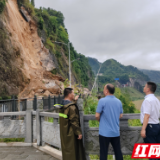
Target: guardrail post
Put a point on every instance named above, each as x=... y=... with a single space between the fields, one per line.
x=12 y=103
x=54 y=100
x=35 y=103
x=13 y=106
x=59 y=99
x=38 y=128
x=43 y=101
x=29 y=129
x=80 y=106
x=49 y=102
x=41 y=131
x=25 y=103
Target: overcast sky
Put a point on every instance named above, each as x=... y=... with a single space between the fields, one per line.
x=125 y=30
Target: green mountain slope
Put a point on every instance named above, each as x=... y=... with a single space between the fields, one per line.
x=112 y=69
x=93 y=62
x=133 y=93
x=153 y=75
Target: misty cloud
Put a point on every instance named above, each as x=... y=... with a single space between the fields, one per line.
x=128 y=31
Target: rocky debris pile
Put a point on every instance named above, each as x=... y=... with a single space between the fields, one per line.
x=33 y=59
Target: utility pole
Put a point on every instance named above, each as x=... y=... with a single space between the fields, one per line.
x=68 y=45
x=96 y=77
x=69 y=64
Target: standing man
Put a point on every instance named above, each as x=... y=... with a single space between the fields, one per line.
x=70 y=130
x=109 y=111
x=150 y=112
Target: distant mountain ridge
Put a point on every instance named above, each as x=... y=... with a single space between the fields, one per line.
x=112 y=69
x=153 y=75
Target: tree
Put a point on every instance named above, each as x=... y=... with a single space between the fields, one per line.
x=128 y=106
x=32 y=2
x=63 y=34
x=2 y=5
x=40 y=23
x=52 y=25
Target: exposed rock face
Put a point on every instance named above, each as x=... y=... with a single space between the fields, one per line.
x=137 y=83
x=133 y=81
x=28 y=57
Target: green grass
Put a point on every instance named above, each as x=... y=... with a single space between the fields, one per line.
x=7 y=140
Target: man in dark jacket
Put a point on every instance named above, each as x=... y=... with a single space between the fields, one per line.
x=70 y=130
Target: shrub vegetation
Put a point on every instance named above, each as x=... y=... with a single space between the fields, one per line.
x=2 y=5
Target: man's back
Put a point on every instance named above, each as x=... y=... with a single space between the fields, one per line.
x=110 y=109
x=72 y=147
x=151 y=106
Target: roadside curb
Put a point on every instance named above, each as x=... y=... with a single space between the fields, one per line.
x=49 y=150
x=15 y=144
x=46 y=149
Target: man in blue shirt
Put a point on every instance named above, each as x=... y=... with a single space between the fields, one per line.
x=108 y=112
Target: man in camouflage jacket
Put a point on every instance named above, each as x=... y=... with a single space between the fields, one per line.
x=70 y=130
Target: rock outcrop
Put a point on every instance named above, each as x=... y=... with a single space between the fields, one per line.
x=136 y=83
x=28 y=60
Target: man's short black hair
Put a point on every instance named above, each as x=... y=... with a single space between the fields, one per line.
x=110 y=88
x=152 y=86
x=67 y=91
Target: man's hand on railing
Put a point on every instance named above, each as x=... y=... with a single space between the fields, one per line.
x=79 y=137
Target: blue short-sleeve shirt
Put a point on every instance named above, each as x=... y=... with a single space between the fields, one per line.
x=110 y=109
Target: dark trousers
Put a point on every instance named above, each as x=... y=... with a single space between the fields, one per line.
x=104 y=144
x=152 y=134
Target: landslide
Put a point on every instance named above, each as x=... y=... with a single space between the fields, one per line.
x=24 y=61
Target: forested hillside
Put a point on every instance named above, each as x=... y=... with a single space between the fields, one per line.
x=52 y=28
x=153 y=75
x=112 y=69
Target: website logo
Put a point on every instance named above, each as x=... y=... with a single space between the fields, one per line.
x=146 y=150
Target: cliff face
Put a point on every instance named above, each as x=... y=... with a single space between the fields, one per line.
x=24 y=61
x=137 y=83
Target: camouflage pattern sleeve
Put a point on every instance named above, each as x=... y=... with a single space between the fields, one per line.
x=74 y=120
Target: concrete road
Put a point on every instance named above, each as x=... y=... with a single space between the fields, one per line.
x=23 y=153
